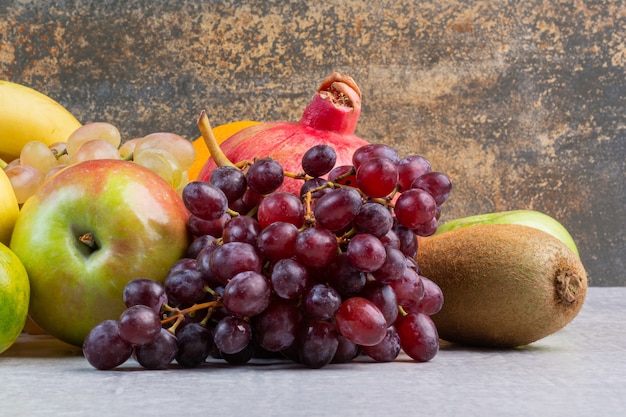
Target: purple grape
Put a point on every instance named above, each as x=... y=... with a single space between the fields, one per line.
x=387 y=349
x=204 y=200
x=320 y=302
x=383 y=297
x=409 y=168
x=240 y=358
x=393 y=267
x=427 y=229
x=144 y=291
x=232 y=335
x=374 y=150
x=316 y=247
x=276 y=328
x=345 y=278
x=360 y=321
x=437 y=184
x=280 y=207
x=203 y=264
x=346 y=351
x=265 y=175
x=198 y=244
x=418 y=336
x=277 y=241
x=104 y=348
x=139 y=325
x=247 y=294
x=373 y=218
x=319 y=160
x=194 y=342
x=334 y=211
x=415 y=207
x=159 y=353
x=431 y=302
x=199 y=227
x=289 y=278
x=377 y=177
x=185 y=286
x=407 y=240
x=366 y=252
x=232 y=258
x=317 y=343
x=409 y=288
x=230 y=180
x=241 y=229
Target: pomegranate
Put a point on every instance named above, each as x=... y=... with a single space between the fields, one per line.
x=330 y=118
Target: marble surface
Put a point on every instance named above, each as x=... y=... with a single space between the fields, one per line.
x=522 y=103
x=578 y=371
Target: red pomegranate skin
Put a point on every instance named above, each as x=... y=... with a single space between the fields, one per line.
x=330 y=118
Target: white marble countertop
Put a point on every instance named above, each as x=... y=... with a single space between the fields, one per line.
x=579 y=371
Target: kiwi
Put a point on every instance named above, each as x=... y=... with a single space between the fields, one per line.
x=504 y=285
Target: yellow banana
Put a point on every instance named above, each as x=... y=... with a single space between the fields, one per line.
x=26 y=115
x=8 y=208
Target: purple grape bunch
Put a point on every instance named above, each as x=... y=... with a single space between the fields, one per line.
x=323 y=277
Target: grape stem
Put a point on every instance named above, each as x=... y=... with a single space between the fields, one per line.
x=59 y=154
x=346 y=236
x=309 y=218
x=244 y=164
x=178 y=315
x=216 y=152
x=297 y=176
x=232 y=212
x=346 y=174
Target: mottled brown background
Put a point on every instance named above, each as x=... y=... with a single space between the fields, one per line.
x=522 y=103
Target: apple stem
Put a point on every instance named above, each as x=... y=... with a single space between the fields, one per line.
x=216 y=152
x=89 y=240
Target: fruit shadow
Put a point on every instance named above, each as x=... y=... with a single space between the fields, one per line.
x=459 y=347
x=40 y=346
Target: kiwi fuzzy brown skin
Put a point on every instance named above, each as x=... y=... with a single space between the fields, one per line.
x=504 y=285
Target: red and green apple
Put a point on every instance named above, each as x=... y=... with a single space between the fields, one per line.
x=88 y=231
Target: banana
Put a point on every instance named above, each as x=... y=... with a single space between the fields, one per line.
x=530 y=218
x=26 y=115
x=8 y=208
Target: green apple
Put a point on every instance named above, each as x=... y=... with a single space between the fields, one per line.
x=89 y=230
x=530 y=218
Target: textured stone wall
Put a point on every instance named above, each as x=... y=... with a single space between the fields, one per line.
x=522 y=103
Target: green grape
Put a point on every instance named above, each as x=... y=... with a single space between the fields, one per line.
x=95 y=149
x=91 y=131
x=162 y=162
x=25 y=181
x=38 y=155
x=182 y=149
x=128 y=147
